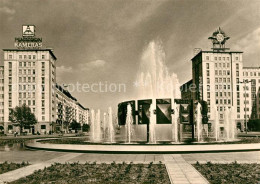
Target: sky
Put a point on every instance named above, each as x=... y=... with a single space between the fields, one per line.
x=102 y=41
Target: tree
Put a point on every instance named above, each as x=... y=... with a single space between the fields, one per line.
x=85 y=128
x=22 y=116
x=74 y=125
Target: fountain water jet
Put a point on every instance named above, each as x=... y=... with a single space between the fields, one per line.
x=199 y=122
x=110 y=126
x=129 y=123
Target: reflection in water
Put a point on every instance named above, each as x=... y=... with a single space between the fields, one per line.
x=12 y=147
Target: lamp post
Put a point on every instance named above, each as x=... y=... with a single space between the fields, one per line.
x=245 y=82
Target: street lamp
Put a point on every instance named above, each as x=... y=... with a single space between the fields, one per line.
x=245 y=82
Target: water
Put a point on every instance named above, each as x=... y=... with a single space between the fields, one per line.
x=129 y=123
x=216 y=123
x=155 y=82
x=227 y=123
x=199 y=123
x=95 y=127
x=111 y=132
x=175 y=117
x=152 y=133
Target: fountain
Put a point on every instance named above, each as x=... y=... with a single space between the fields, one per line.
x=95 y=127
x=216 y=123
x=199 y=123
x=175 y=123
x=110 y=126
x=129 y=123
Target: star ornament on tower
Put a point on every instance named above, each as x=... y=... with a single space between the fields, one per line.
x=219 y=39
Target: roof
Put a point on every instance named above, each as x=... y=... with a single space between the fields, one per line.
x=65 y=92
x=230 y=52
x=47 y=49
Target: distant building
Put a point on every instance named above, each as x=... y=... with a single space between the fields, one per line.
x=29 y=77
x=217 y=77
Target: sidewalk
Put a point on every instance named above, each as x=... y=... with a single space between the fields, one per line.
x=28 y=170
x=181 y=172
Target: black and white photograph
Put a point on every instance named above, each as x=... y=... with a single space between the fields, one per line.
x=129 y=91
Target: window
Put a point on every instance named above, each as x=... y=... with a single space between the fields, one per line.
x=238 y=109
x=207 y=65
x=20 y=64
x=238 y=102
x=224 y=72
x=228 y=79
x=20 y=71
x=43 y=80
x=207 y=57
x=237 y=66
x=42 y=103
x=33 y=63
x=24 y=72
x=29 y=79
x=208 y=81
x=216 y=65
x=43 y=111
x=43 y=56
x=208 y=94
x=25 y=57
x=10 y=57
x=29 y=72
x=236 y=58
x=220 y=72
x=33 y=79
x=34 y=57
x=20 y=57
x=33 y=71
x=29 y=102
x=224 y=64
x=220 y=79
x=30 y=57
x=43 y=126
x=43 y=65
x=228 y=65
x=10 y=65
x=216 y=72
x=219 y=58
x=33 y=103
x=216 y=79
x=216 y=58
x=237 y=87
x=24 y=64
x=207 y=72
x=216 y=93
x=29 y=64
x=216 y=87
x=237 y=73
x=208 y=87
x=224 y=79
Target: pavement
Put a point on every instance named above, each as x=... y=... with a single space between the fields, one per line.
x=178 y=166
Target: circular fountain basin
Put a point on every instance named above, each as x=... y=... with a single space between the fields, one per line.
x=142 y=149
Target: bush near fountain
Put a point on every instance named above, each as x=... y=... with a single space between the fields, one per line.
x=6 y=167
x=99 y=173
x=229 y=173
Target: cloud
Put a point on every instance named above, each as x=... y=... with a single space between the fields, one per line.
x=7 y=10
x=250 y=43
x=97 y=63
x=64 y=69
x=92 y=65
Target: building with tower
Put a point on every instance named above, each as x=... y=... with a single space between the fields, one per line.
x=219 y=78
x=29 y=77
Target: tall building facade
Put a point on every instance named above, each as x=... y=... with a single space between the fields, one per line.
x=29 y=77
x=219 y=78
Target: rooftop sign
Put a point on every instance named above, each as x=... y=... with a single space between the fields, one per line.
x=28 y=39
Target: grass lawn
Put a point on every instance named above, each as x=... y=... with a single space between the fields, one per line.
x=99 y=173
x=230 y=173
x=6 y=167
